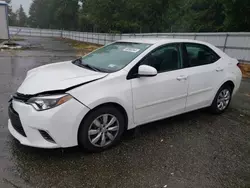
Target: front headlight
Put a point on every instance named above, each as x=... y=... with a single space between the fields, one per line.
x=48 y=102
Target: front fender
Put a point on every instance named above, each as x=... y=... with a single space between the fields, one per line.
x=107 y=90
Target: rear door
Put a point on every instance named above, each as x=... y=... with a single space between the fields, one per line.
x=165 y=94
x=205 y=72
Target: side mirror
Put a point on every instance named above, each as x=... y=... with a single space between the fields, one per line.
x=146 y=71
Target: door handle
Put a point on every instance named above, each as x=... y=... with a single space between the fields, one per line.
x=182 y=77
x=219 y=69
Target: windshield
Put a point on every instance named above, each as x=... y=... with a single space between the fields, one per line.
x=115 y=56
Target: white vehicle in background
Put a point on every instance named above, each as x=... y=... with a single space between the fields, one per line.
x=93 y=100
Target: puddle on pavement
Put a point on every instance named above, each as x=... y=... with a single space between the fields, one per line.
x=13 y=67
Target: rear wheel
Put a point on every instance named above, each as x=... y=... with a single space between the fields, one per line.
x=101 y=129
x=221 y=100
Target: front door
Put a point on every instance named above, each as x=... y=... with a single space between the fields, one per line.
x=165 y=94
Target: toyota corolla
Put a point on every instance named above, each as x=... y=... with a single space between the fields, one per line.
x=93 y=100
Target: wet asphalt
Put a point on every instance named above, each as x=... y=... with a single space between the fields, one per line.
x=196 y=149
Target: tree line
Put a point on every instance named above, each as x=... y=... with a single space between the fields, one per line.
x=18 y=17
x=136 y=16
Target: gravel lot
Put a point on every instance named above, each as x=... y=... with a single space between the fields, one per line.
x=191 y=150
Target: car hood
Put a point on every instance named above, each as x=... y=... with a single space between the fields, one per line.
x=57 y=76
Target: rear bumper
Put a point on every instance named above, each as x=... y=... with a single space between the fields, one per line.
x=237 y=81
x=60 y=123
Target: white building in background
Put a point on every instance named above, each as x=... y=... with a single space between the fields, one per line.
x=4 y=28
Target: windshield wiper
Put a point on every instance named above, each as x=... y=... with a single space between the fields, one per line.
x=80 y=63
x=91 y=67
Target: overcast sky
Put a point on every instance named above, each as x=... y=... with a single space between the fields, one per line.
x=25 y=3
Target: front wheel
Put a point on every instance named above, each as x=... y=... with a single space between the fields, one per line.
x=221 y=100
x=101 y=129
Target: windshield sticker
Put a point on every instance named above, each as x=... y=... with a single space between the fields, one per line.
x=133 y=50
x=112 y=65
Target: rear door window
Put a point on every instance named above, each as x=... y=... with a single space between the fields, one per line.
x=199 y=54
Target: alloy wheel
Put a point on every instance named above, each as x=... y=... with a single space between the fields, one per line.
x=103 y=130
x=223 y=99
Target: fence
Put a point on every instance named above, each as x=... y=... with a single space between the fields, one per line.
x=236 y=45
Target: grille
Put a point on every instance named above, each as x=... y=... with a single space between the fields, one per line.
x=21 y=97
x=15 y=121
x=46 y=136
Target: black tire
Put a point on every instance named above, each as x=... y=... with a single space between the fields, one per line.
x=83 y=134
x=214 y=107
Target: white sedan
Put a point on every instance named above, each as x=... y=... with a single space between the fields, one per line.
x=93 y=100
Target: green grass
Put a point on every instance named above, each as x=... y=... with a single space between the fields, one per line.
x=17 y=39
x=82 y=47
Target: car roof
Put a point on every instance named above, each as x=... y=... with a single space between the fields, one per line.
x=160 y=40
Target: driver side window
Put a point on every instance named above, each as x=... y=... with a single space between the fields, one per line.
x=166 y=58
